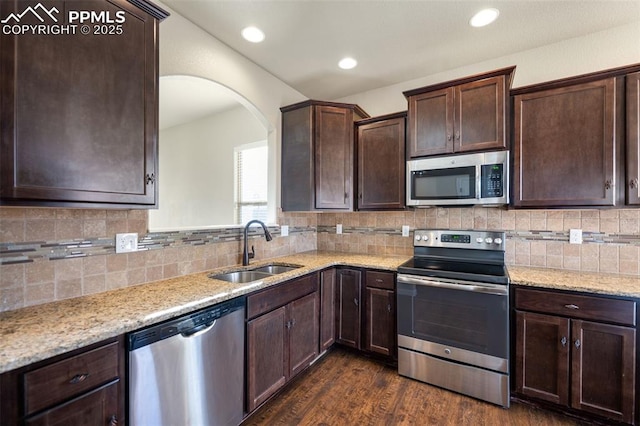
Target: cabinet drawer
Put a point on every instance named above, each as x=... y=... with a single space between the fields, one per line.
x=57 y=382
x=577 y=306
x=274 y=297
x=379 y=279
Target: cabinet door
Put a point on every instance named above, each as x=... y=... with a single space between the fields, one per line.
x=99 y=407
x=297 y=169
x=603 y=369
x=380 y=322
x=266 y=356
x=303 y=332
x=381 y=165
x=565 y=146
x=542 y=357
x=334 y=157
x=430 y=123
x=349 y=314
x=79 y=116
x=480 y=115
x=633 y=138
x=327 y=309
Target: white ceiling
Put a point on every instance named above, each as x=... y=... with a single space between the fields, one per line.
x=393 y=40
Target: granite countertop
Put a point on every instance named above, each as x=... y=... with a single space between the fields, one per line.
x=39 y=332
x=590 y=282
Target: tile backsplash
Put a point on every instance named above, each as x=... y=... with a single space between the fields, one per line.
x=52 y=254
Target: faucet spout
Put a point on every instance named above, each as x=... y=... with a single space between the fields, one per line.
x=245 y=251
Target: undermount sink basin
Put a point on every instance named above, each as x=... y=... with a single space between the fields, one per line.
x=275 y=269
x=247 y=276
x=241 y=276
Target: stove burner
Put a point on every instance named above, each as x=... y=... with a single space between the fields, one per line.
x=438 y=256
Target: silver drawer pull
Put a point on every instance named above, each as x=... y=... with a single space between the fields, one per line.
x=572 y=306
x=78 y=378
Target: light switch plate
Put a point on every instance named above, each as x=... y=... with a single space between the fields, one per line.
x=126 y=243
x=284 y=231
x=575 y=236
x=339 y=228
x=405 y=230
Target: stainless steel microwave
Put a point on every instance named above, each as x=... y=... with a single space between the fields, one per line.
x=467 y=179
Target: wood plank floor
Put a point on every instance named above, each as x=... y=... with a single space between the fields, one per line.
x=344 y=388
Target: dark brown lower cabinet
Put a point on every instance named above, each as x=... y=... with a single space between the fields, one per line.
x=380 y=331
x=366 y=311
x=282 y=336
x=83 y=387
x=327 y=309
x=574 y=360
x=95 y=408
x=349 y=301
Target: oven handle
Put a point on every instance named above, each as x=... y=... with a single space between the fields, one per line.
x=500 y=290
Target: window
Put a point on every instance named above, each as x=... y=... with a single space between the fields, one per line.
x=251 y=182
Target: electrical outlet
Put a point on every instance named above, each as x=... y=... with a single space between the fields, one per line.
x=284 y=231
x=339 y=228
x=126 y=243
x=405 y=230
x=575 y=236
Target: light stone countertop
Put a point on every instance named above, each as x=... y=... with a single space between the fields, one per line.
x=590 y=282
x=39 y=332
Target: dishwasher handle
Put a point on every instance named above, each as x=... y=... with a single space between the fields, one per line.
x=198 y=330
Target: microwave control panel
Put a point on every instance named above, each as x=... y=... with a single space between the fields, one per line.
x=492 y=180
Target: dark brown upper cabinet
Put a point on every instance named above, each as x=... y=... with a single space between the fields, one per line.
x=633 y=138
x=79 y=112
x=318 y=156
x=463 y=115
x=381 y=162
x=569 y=137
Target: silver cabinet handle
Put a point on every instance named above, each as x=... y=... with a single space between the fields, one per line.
x=355 y=301
x=78 y=378
x=564 y=341
x=577 y=343
x=572 y=306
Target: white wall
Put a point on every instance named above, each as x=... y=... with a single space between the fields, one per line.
x=595 y=52
x=196 y=160
x=185 y=49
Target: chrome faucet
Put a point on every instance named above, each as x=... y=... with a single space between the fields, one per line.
x=245 y=252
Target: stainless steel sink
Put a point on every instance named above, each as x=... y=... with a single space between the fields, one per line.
x=275 y=269
x=240 y=277
x=257 y=274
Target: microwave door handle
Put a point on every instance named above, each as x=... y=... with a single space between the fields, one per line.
x=475 y=287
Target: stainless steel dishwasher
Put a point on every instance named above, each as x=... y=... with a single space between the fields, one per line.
x=189 y=371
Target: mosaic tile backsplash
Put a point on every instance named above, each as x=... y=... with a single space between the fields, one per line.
x=52 y=254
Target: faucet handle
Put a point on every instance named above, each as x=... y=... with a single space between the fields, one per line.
x=253 y=253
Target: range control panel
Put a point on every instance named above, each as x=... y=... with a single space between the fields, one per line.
x=481 y=240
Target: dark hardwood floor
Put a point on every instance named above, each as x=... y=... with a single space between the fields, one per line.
x=344 y=388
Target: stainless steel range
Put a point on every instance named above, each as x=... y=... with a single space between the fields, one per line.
x=453 y=313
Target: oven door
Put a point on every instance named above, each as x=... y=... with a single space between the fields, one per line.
x=459 y=320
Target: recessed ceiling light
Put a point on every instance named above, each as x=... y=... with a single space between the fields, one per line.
x=347 y=63
x=253 y=34
x=484 y=17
